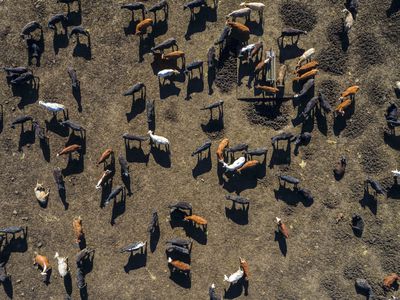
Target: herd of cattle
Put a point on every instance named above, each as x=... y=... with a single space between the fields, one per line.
x=305 y=73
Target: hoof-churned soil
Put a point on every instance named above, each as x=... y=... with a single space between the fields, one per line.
x=322 y=256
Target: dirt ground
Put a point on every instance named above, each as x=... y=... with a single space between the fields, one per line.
x=321 y=258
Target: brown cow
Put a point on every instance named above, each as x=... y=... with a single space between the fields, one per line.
x=245 y=267
x=77 y=224
x=248 y=165
x=69 y=149
x=351 y=91
x=197 y=220
x=307 y=67
x=390 y=279
x=280 y=81
x=344 y=104
x=306 y=75
x=174 y=56
x=267 y=89
x=239 y=31
x=106 y=154
x=282 y=228
x=43 y=262
x=220 y=150
x=141 y=28
x=179 y=265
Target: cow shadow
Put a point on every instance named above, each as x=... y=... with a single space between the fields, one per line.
x=308 y=124
x=8 y=288
x=199 y=20
x=45 y=147
x=394 y=191
x=281 y=242
x=55 y=126
x=344 y=40
x=1 y=118
x=239 y=216
x=280 y=156
x=131 y=28
x=176 y=219
x=74 y=166
x=138 y=106
x=28 y=93
x=245 y=69
x=75 y=17
x=237 y=184
x=105 y=191
x=203 y=165
x=83 y=50
x=195 y=232
x=211 y=75
x=26 y=137
x=234 y=290
x=181 y=279
x=76 y=93
x=162 y=157
x=154 y=238
x=118 y=208
x=160 y=28
x=213 y=125
x=145 y=44
x=60 y=40
x=394 y=8
x=63 y=197
x=167 y=90
x=194 y=85
x=136 y=261
x=392 y=140
x=256 y=28
x=340 y=122
x=15 y=244
x=369 y=201
x=136 y=155
x=322 y=122
x=289 y=51
x=291 y=196
x=68 y=283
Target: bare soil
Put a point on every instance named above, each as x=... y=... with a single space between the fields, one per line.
x=320 y=260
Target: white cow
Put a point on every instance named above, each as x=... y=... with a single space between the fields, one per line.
x=306 y=56
x=62 y=264
x=52 y=106
x=235 y=277
x=159 y=140
x=235 y=165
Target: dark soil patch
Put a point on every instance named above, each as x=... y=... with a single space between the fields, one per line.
x=332 y=60
x=391 y=28
x=334 y=32
x=331 y=89
x=298 y=15
x=226 y=77
x=357 y=124
x=331 y=201
x=275 y=117
x=332 y=288
x=171 y=114
x=369 y=50
x=372 y=158
x=376 y=95
x=353 y=270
